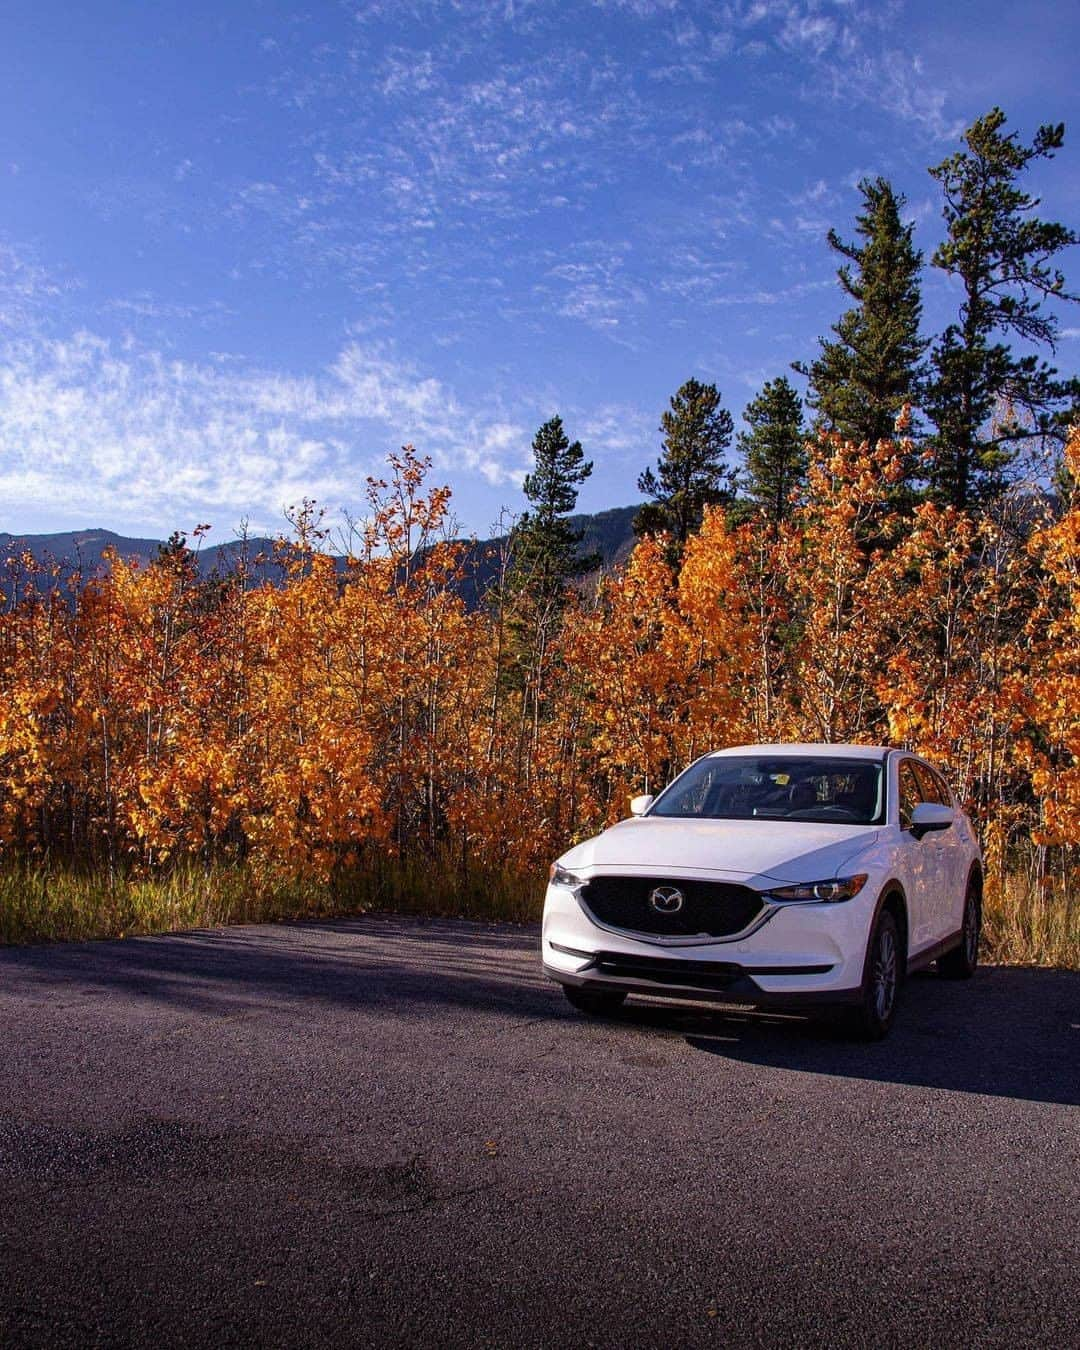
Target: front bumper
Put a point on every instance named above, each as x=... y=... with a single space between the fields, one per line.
x=718 y=981
x=800 y=954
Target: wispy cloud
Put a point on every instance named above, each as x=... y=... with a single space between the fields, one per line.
x=389 y=220
x=125 y=435
x=591 y=284
x=781 y=296
x=144 y=305
x=26 y=288
x=617 y=433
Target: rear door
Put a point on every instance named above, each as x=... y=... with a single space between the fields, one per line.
x=918 y=867
x=950 y=855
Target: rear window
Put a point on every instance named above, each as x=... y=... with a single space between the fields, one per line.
x=778 y=787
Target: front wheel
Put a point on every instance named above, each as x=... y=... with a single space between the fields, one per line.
x=871 y=1019
x=960 y=963
x=595 y=1002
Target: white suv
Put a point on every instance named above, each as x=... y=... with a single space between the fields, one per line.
x=790 y=875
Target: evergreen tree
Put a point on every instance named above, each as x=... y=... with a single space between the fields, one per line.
x=691 y=473
x=864 y=377
x=1001 y=254
x=774 y=449
x=546 y=550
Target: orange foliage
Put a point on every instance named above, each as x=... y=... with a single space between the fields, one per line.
x=357 y=708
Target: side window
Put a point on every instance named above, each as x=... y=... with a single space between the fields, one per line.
x=910 y=793
x=933 y=789
x=944 y=793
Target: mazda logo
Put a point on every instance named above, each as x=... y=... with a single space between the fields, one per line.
x=666 y=900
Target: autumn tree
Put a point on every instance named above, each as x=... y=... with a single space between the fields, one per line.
x=840 y=607
x=1002 y=255
x=691 y=473
x=870 y=368
x=631 y=647
x=773 y=449
x=1052 y=697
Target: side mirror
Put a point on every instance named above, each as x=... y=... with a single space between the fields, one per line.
x=639 y=805
x=929 y=816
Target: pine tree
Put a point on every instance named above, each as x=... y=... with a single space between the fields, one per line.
x=546 y=550
x=691 y=473
x=774 y=450
x=860 y=382
x=1002 y=256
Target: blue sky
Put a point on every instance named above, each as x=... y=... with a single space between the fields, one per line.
x=247 y=249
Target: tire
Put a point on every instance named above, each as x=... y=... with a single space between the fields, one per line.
x=595 y=1002
x=872 y=1017
x=960 y=963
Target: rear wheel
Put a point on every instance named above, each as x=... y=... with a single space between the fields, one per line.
x=871 y=1019
x=596 y=1002
x=960 y=963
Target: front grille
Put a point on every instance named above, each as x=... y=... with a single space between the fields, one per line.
x=709 y=908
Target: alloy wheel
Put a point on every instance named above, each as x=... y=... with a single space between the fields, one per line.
x=971 y=931
x=884 y=974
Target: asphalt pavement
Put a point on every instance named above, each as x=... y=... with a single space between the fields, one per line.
x=396 y=1132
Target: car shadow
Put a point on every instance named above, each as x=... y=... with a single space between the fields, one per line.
x=1009 y=1032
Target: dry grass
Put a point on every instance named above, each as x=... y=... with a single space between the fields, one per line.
x=1024 y=923
x=1029 y=923
x=40 y=904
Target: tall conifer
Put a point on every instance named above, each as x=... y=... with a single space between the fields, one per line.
x=865 y=375
x=1001 y=254
x=691 y=473
x=546 y=550
x=774 y=450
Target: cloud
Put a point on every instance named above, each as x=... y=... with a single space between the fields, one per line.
x=144 y=305
x=26 y=288
x=590 y=282
x=815 y=32
x=121 y=433
x=641 y=9
x=616 y=432
x=813 y=195
x=852 y=54
x=781 y=296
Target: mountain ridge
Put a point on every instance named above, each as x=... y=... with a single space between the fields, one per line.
x=608 y=533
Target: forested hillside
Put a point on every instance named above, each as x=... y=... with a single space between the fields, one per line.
x=83 y=554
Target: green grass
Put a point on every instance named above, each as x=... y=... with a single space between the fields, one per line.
x=63 y=904
x=1022 y=924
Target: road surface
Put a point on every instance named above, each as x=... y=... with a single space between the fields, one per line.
x=395 y=1132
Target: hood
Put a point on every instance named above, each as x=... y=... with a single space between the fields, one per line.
x=779 y=850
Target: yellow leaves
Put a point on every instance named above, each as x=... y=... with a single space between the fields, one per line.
x=366 y=708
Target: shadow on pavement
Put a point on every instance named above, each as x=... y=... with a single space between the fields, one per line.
x=382 y=965
x=1010 y=1032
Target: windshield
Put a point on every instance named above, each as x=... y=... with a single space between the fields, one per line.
x=778 y=787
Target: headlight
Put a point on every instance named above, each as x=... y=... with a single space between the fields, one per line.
x=559 y=876
x=840 y=888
